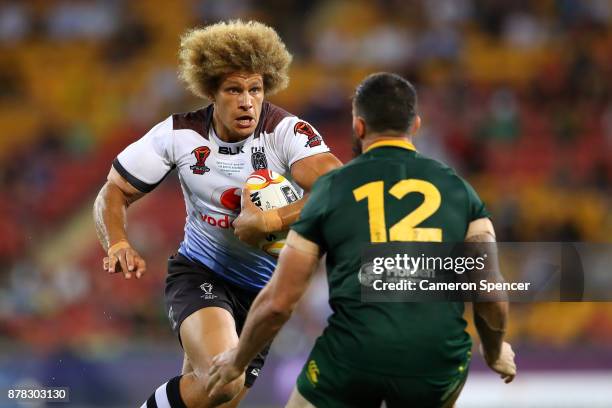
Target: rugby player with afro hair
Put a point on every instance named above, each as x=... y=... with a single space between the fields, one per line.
x=218 y=269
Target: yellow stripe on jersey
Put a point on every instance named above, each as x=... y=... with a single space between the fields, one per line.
x=404 y=144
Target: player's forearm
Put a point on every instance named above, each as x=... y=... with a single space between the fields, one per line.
x=305 y=172
x=110 y=215
x=280 y=219
x=490 y=319
x=263 y=323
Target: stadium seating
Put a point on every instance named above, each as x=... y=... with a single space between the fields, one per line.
x=528 y=120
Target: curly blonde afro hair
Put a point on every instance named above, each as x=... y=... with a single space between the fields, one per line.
x=207 y=54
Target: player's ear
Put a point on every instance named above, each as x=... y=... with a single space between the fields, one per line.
x=210 y=94
x=416 y=125
x=359 y=126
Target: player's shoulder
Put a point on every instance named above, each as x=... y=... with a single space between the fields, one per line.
x=445 y=173
x=198 y=120
x=276 y=120
x=435 y=165
x=440 y=170
x=433 y=168
x=272 y=116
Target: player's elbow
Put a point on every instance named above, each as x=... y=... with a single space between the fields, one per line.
x=98 y=202
x=108 y=195
x=100 y=205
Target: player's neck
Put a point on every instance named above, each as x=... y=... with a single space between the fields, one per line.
x=382 y=137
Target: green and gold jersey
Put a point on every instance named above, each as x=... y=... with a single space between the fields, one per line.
x=389 y=193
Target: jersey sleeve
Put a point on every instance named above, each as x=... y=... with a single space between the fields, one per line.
x=476 y=208
x=311 y=222
x=298 y=139
x=146 y=162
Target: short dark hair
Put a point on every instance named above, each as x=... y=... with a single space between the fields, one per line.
x=386 y=102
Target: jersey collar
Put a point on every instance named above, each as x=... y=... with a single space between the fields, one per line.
x=403 y=144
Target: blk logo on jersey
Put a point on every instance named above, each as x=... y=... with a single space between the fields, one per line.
x=231 y=150
x=258 y=158
x=201 y=154
x=305 y=129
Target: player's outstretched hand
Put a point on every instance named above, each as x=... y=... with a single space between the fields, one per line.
x=504 y=365
x=250 y=226
x=123 y=258
x=222 y=371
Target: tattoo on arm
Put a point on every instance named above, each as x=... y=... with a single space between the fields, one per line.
x=109 y=214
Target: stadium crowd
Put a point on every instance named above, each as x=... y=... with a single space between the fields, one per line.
x=517 y=95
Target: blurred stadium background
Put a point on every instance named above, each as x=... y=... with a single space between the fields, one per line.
x=515 y=94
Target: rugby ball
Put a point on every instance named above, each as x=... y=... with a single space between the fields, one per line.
x=270 y=190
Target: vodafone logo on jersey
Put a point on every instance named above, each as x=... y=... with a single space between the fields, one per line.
x=221 y=221
x=227 y=197
x=230 y=199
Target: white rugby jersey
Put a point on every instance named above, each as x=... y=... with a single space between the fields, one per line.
x=212 y=173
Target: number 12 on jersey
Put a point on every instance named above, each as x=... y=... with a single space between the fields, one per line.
x=406 y=228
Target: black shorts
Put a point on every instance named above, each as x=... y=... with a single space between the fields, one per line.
x=191 y=287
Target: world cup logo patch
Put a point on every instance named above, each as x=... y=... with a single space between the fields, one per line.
x=201 y=154
x=305 y=129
